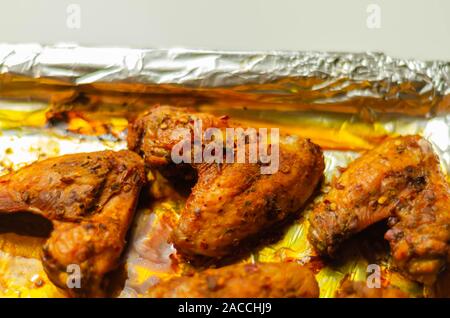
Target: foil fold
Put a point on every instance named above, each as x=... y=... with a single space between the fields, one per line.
x=369 y=80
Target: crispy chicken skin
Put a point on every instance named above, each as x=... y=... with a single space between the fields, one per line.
x=150 y=135
x=231 y=203
x=400 y=180
x=352 y=289
x=236 y=202
x=261 y=280
x=90 y=199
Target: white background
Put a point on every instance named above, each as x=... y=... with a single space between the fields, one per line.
x=409 y=28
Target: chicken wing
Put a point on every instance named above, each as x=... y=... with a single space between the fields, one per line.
x=151 y=135
x=400 y=180
x=90 y=199
x=231 y=203
x=261 y=280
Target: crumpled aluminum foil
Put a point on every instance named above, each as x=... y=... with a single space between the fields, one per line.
x=373 y=80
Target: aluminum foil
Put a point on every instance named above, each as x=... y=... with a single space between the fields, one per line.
x=356 y=81
x=66 y=99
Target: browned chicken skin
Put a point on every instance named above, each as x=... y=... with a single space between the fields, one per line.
x=231 y=203
x=400 y=180
x=90 y=199
x=351 y=289
x=150 y=135
x=261 y=280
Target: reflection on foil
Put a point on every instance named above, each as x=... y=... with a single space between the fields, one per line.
x=150 y=256
x=21 y=147
x=24 y=277
x=353 y=82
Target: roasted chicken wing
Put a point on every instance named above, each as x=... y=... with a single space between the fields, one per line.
x=231 y=203
x=90 y=199
x=400 y=180
x=261 y=280
x=151 y=135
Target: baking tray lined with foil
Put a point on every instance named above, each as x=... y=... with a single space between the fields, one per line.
x=59 y=100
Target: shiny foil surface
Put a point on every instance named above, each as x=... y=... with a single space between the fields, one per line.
x=67 y=99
